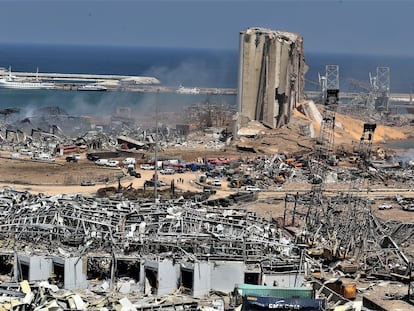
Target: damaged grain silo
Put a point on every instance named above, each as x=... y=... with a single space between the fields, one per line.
x=271 y=75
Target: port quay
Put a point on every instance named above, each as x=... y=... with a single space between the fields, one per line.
x=76 y=82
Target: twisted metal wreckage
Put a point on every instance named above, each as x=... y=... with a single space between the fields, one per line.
x=107 y=231
x=340 y=229
x=81 y=224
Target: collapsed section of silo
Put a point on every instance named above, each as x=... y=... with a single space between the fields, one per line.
x=271 y=75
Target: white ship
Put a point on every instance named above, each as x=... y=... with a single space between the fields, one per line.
x=187 y=90
x=12 y=82
x=92 y=87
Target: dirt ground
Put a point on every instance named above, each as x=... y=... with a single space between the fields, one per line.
x=60 y=176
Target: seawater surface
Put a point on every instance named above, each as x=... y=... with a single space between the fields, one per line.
x=173 y=67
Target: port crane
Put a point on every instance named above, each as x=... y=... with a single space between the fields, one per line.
x=323 y=154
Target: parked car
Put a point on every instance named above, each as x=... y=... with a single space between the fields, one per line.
x=384 y=206
x=252 y=188
x=71 y=158
x=87 y=183
x=408 y=207
x=92 y=157
x=209 y=190
x=147 y=166
x=43 y=157
x=127 y=161
x=152 y=183
x=26 y=152
x=135 y=174
x=216 y=183
x=167 y=171
x=113 y=163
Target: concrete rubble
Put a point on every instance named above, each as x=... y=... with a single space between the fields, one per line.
x=52 y=130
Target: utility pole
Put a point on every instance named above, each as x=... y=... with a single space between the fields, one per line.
x=156 y=148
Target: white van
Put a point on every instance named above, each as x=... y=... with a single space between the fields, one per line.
x=128 y=161
x=43 y=157
x=102 y=162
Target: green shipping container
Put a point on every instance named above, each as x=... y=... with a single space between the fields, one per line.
x=273 y=291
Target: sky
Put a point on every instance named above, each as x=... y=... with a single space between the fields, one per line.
x=364 y=26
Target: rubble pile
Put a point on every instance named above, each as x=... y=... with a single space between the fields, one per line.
x=46 y=296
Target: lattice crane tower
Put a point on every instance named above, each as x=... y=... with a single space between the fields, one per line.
x=381 y=86
x=323 y=154
x=324 y=148
x=331 y=99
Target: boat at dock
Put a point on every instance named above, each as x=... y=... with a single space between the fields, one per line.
x=187 y=90
x=92 y=87
x=12 y=82
x=7 y=84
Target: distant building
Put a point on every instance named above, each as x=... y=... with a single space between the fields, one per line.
x=183 y=129
x=271 y=75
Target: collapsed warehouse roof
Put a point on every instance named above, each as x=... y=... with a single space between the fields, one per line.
x=47 y=120
x=77 y=223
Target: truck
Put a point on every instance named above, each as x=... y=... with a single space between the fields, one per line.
x=73 y=158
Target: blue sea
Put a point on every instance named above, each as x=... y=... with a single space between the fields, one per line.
x=188 y=67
